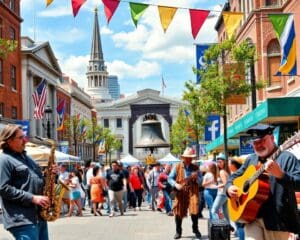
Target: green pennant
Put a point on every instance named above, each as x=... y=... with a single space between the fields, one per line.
x=278 y=21
x=137 y=10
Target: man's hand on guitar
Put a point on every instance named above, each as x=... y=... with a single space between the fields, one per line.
x=273 y=168
x=178 y=186
x=233 y=191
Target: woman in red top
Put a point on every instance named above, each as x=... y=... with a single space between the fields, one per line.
x=97 y=187
x=136 y=188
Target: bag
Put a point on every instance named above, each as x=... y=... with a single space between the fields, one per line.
x=104 y=192
x=218 y=229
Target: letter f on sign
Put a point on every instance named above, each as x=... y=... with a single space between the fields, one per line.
x=213 y=129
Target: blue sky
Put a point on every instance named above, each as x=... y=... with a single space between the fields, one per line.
x=138 y=56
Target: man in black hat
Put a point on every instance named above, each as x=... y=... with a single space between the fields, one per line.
x=278 y=215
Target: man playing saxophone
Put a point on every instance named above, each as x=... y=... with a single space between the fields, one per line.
x=21 y=187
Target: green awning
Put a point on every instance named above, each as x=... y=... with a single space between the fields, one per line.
x=272 y=107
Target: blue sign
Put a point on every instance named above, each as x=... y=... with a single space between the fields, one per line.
x=213 y=128
x=246 y=145
x=200 y=63
x=202 y=151
x=25 y=126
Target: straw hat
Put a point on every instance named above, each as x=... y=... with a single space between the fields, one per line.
x=189 y=153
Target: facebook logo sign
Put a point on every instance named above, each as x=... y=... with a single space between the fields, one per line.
x=212 y=129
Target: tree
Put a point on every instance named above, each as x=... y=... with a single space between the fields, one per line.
x=7 y=46
x=111 y=144
x=224 y=76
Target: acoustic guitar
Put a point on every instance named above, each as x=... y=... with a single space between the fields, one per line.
x=254 y=188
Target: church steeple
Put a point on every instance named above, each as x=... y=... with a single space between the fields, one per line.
x=96 y=71
x=96 y=50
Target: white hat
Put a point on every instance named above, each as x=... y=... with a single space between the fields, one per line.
x=189 y=153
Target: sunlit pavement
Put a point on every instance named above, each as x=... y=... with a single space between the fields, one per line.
x=139 y=225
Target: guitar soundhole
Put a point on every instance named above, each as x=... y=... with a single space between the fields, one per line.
x=246 y=186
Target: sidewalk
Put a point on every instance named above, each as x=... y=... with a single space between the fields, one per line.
x=134 y=225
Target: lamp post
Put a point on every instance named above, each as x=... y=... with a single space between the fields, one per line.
x=94 y=122
x=48 y=113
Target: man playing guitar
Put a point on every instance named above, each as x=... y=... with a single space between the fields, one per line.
x=277 y=215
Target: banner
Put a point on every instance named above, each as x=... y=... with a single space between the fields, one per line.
x=25 y=126
x=213 y=128
x=200 y=63
x=246 y=145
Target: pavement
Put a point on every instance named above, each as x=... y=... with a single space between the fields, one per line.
x=134 y=225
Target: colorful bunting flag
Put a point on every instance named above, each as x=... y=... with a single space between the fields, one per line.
x=137 y=10
x=285 y=31
x=232 y=21
x=110 y=7
x=48 y=2
x=166 y=15
x=60 y=109
x=197 y=19
x=76 y=5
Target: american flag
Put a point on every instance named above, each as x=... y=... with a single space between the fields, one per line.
x=39 y=100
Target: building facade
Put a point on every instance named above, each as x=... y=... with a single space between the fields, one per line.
x=277 y=103
x=10 y=65
x=124 y=118
x=114 y=87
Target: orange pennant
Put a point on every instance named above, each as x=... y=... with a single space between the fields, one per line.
x=166 y=15
x=232 y=21
x=48 y=2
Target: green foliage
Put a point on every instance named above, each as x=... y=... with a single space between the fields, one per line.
x=6 y=47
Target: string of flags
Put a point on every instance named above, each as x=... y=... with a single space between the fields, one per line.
x=166 y=14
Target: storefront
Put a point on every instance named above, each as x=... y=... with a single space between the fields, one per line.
x=283 y=112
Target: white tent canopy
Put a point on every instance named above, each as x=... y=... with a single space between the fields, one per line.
x=169 y=159
x=129 y=160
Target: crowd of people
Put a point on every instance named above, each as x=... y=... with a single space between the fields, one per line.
x=180 y=190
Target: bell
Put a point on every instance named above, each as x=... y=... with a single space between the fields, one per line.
x=152 y=136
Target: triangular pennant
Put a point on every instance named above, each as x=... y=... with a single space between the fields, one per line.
x=48 y=2
x=110 y=7
x=137 y=10
x=197 y=19
x=76 y=5
x=232 y=21
x=166 y=15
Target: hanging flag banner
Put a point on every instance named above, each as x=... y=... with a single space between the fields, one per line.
x=231 y=21
x=39 y=99
x=198 y=17
x=200 y=62
x=283 y=25
x=137 y=10
x=25 y=127
x=60 y=109
x=110 y=7
x=246 y=146
x=212 y=128
x=166 y=15
x=76 y=5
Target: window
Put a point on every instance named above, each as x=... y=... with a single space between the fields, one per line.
x=119 y=122
x=12 y=33
x=14 y=112
x=106 y=123
x=273 y=53
x=272 y=2
x=1 y=71
x=13 y=79
x=2 y=109
x=12 y=5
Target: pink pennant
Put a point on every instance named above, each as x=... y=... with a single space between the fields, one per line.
x=197 y=19
x=76 y=5
x=110 y=7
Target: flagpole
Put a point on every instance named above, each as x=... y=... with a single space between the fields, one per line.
x=162 y=85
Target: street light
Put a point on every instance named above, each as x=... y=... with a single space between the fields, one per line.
x=48 y=114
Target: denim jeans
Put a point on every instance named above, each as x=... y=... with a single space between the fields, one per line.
x=210 y=195
x=220 y=201
x=37 y=231
x=168 y=201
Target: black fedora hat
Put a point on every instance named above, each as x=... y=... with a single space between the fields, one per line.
x=260 y=130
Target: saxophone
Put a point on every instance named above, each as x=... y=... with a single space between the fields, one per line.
x=52 y=190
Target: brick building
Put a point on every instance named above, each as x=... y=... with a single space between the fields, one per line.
x=10 y=66
x=279 y=102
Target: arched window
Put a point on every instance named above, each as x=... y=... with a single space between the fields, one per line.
x=273 y=54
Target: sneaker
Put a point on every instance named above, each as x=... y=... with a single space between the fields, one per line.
x=197 y=235
x=170 y=214
x=111 y=215
x=177 y=236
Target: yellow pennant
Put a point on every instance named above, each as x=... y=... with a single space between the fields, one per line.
x=166 y=15
x=48 y=2
x=232 y=21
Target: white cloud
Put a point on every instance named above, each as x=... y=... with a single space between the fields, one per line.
x=105 y=31
x=76 y=67
x=142 y=69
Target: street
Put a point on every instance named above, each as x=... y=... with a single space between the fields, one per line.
x=139 y=225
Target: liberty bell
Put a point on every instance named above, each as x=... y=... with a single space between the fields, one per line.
x=152 y=136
